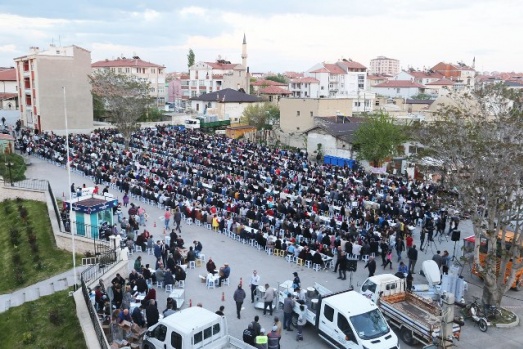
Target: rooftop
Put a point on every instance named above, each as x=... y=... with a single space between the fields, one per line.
x=8 y=74
x=125 y=62
x=274 y=90
x=399 y=84
x=227 y=95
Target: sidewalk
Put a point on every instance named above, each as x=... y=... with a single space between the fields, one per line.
x=46 y=287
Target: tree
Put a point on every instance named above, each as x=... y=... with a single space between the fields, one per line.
x=422 y=96
x=479 y=136
x=261 y=115
x=190 y=58
x=277 y=78
x=378 y=138
x=125 y=99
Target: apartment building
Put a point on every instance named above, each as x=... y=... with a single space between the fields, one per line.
x=384 y=65
x=152 y=73
x=42 y=77
x=343 y=79
x=8 y=89
x=462 y=74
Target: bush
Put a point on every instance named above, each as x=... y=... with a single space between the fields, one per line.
x=28 y=337
x=55 y=317
x=14 y=236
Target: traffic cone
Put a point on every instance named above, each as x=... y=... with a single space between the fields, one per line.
x=154 y=224
x=190 y=303
x=223 y=296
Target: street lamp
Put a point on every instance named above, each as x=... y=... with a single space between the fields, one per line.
x=9 y=165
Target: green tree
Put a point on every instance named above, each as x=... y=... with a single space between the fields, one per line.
x=124 y=97
x=99 y=111
x=190 y=58
x=378 y=138
x=421 y=96
x=261 y=115
x=480 y=137
x=277 y=78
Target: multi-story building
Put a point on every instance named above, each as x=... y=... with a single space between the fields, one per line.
x=152 y=73
x=343 y=79
x=8 y=89
x=207 y=77
x=47 y=79
x=304 y=87
x=384 y=65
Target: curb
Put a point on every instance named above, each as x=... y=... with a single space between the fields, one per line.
x=510 y=325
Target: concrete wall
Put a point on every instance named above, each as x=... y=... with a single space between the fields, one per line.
x=297 y=114
x=72 y=73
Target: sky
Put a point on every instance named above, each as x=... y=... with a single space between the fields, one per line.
x=282 y=35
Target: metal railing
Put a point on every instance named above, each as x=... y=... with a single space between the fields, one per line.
x=93 y=272
x=32 y=184
x=55 y=206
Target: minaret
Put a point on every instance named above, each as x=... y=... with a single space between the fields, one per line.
x=244 y=52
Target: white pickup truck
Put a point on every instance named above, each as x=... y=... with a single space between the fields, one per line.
x=344 y=319
x=417 y=318
x=193 y=327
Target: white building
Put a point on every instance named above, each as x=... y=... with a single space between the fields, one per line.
x=384 y=65
x=304 y=87
x=8 y=89
x=153 y=73
x=399 y=88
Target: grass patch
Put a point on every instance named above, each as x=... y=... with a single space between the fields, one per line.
x=49 y=322
x=28 y=252
x=17 y=169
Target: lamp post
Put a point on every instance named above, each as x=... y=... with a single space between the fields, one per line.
x=9 y=165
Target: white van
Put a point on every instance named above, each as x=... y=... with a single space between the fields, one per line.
x=193 y=327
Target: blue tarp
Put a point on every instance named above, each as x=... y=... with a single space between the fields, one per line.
x=337 y=161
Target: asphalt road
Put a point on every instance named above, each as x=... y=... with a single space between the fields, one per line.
x=274 y=270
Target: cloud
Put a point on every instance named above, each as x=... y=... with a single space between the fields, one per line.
x=8 y=48
x=192 y=11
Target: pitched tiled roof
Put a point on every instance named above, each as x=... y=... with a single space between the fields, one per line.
x=399 y=84
x=333 y=68
x=293 y=75
x=5 y=96
x=420 y=101
x=274 y=90
x=320 y=70
x=425 y=75
x=441 y=82
x=264 y=82
x=305 y=80
x=352 y=64
x=344 y=131
x=125 y=62
x=227 y=95
x=8 y=74
x=378 y=77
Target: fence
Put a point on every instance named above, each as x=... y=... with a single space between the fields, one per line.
x=91 y=273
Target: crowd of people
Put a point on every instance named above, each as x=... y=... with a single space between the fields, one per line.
x=234 y=184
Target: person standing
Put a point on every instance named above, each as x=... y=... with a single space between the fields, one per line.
x=261 y=340
x=438 y=259
x=371 y=265
x=338 y=258
x=400 y=247
x=248 y=335
x=445 y=262
x=301 y=323
x=384 y=251
x=274 y=338
x=388 y=260
x=268 y=298
x=239 y=297
x=412 y=254
x=288 y=306
x=296 y=282
x=167 y=217
x=342 y=267
x=151 y=313
x=254 y=283
x=177 y=219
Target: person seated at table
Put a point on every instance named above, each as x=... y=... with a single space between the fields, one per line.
x=317 y=259
x=303 y=253
x=178 y=258
x=198 y=247
x=179 y=241
x=179 y=274
x=137 y=315
x=225 y=271
x=124 y=316
x=142 y=242
x=147 y=275
x=168 y=278
x=261 y=240
x=191 y=255
x=133 y=276
x=210 y=266
x=290 y=249
x=308 y=255
x=159 y=274
x=141 y=285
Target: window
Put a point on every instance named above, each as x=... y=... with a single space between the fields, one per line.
x=328 y=312
x=344 y=326
x=216 y=328
x=198 y=337
x=176 y=340
x=361 y=81
x=312 y=114
x=153 y=70
x=357 y=104
x=119 y=70
x=298 y=113
x=207 y=333
x=397 y=90
x=322 y=87
x=159 y=332
x=127 y=70
x=377 y=103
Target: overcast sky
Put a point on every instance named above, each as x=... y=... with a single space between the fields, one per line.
x=282 y=35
